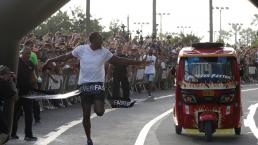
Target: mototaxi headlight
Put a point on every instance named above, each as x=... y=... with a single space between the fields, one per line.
x=189 y=99
x=227 y=98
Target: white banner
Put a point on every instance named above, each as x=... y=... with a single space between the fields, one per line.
x=55 y=84
x=140 y=73
x=72 y=80
x=164 y=74
x=252 y=70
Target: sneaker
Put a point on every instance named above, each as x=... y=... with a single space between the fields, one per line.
x=31 y=138
x=89 y=142
x=132 y=103
x=14 y=137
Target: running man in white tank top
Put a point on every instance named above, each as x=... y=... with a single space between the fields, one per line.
x=92 y=74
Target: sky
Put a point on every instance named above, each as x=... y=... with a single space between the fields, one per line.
x=187 y=13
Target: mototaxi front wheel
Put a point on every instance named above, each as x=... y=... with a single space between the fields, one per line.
x=208 y=130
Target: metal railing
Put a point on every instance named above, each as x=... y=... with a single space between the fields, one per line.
x=67 y=82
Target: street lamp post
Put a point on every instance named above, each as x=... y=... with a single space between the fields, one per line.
x=183 y=28
x=214 y=34
x=236 y=27
x=220 y=10
x=141 y=24
x=154 y=24
x=211 y=20
x=160 y=14
x=87 y=17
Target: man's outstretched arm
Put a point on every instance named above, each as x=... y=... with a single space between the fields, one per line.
x=64 y=57
x=121 y=60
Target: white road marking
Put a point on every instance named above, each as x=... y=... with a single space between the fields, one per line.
x=139 y=100
x=250 y=85
x=58 y=131
x=141 y=137
x=252 y=101
x=246 y=90
x=54 y=134
x=249 y=121
x=162 y=97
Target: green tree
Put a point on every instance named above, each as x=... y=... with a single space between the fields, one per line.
x=66 y=24
x=224 y=36
x=255 y=44
x=114 y=27
x=248 y=37
x=184 y=40
x=79 y=22
x=58 y=22
x=255 y=23
x=107 y=35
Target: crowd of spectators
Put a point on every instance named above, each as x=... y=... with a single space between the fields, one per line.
x=249 y=63
x=63 y=78
x=54 y=44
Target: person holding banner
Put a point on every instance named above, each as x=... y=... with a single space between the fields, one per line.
x=120 y=79
x=26 y=82
x=92 y=74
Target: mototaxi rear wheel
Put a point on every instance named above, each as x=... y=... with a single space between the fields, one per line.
x=178 y=129
x=237 y=130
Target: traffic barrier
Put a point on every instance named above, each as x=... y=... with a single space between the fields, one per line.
x=59 y=85
x=139 y=80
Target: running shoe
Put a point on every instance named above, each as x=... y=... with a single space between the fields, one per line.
x=89 y=142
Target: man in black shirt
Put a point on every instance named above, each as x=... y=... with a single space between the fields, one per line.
x=119 y=72
x=26 y=81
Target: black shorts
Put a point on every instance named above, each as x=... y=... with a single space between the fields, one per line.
x=91 y=97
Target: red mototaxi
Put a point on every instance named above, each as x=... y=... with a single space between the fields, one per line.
x=207 y=95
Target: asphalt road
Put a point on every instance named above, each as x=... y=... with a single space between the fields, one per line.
x=147 y=123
